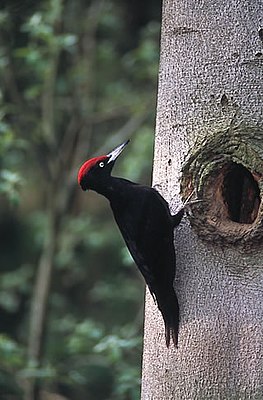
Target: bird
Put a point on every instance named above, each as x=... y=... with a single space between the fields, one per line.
x=147 y=226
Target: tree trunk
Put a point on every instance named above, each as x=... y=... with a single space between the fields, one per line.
x=39 y=306
x=209 y=137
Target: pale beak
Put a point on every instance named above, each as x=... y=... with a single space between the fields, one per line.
x=116 y=152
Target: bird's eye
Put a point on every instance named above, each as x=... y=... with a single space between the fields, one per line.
x=101 y=164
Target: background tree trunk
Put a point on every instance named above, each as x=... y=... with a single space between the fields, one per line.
x=210 y=87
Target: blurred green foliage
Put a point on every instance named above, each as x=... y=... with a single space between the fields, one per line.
x=76 y=78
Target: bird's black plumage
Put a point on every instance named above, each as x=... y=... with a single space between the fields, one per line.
x=144 y=219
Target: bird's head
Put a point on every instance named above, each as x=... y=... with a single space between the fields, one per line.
x=96 y=171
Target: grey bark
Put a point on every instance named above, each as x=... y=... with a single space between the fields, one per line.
x=210 y=75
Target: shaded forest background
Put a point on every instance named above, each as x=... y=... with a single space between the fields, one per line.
x=76 y=79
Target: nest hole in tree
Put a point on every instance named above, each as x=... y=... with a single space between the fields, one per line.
x=240 y=193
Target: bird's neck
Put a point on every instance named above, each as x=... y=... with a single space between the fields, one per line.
x=109 y=187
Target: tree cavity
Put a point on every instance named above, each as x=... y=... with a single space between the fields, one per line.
x=241 y=194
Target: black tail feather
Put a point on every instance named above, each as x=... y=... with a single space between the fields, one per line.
x=171 y=331
x=170 y=312
x=167 y=336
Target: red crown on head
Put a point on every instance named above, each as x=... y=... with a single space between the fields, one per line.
x=84 y=169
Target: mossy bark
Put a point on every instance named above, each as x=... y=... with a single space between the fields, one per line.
x=206 y=170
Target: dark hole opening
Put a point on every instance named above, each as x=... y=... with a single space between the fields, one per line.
x=241 y=194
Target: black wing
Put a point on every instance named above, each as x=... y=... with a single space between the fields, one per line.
x=146 y=225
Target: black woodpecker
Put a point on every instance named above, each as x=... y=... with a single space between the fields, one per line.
x=147 y=226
